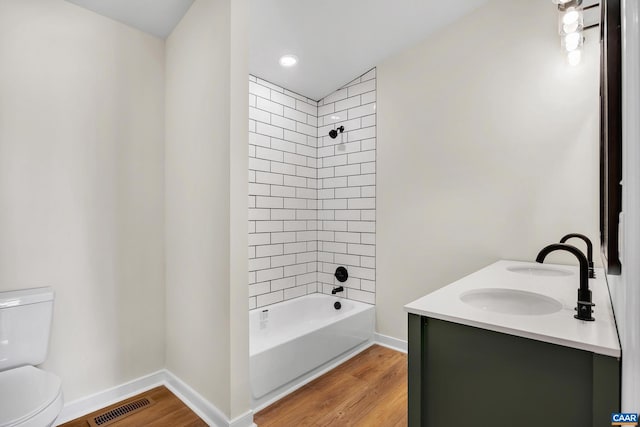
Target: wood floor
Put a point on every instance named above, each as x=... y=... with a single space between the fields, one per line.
x=167 y=410
x=368 y=390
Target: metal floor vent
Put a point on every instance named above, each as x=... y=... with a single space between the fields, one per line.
x=116 y=414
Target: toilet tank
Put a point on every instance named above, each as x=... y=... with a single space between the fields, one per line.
x=25 y=324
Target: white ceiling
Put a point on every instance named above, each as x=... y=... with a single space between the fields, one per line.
x=156 y=17
x=337 y=40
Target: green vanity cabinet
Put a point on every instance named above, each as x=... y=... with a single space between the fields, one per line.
x=465 y=376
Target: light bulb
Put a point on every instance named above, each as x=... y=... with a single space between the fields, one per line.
x=570 y=28
x=570 y=17
x=570 y=22
x=574 y=57
x=572 y=41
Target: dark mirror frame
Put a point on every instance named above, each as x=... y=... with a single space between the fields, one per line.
x=610 y=133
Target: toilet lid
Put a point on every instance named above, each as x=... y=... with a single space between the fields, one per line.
x=24 y=392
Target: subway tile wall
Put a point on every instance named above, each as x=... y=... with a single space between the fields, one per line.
x=347 y=188
x=311 y=197
x=283 y=194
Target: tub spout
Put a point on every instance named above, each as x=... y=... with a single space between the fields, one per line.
x=336 y=290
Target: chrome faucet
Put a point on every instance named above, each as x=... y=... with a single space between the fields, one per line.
x=592 y=273
x=584 y=305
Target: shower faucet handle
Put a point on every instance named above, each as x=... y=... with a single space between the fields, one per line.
x=341 y=274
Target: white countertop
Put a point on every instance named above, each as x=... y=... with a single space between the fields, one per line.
x=559 y=328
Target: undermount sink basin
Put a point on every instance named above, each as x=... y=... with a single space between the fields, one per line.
x=511 y=301
x=538 y=271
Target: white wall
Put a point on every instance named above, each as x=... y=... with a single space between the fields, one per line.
x=239 y=393
x=206 y=161
x=81 y=186
x=487 y=149
x=625 y=289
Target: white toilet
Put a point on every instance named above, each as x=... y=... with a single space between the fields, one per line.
x=29 y=397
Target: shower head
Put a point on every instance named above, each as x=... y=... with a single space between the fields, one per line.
x=333 y=133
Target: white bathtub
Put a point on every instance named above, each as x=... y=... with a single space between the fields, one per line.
x=296 y=337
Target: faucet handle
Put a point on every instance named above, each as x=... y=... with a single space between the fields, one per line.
x=341 y=274
x=585 y=311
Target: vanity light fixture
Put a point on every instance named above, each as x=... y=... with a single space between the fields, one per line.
x=570 y=26
x=288 y=60
x=566 y=4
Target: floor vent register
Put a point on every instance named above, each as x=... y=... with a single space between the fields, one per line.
x=122 y=411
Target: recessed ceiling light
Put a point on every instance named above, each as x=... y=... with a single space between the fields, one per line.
x=288 y=60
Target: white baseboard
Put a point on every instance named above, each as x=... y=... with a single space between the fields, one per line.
x=83 y=406
x=392 y=343
x=194 y=400
x=191 y=398
x=244 y=420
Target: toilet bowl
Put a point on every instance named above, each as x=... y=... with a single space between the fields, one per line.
x=29 y=396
